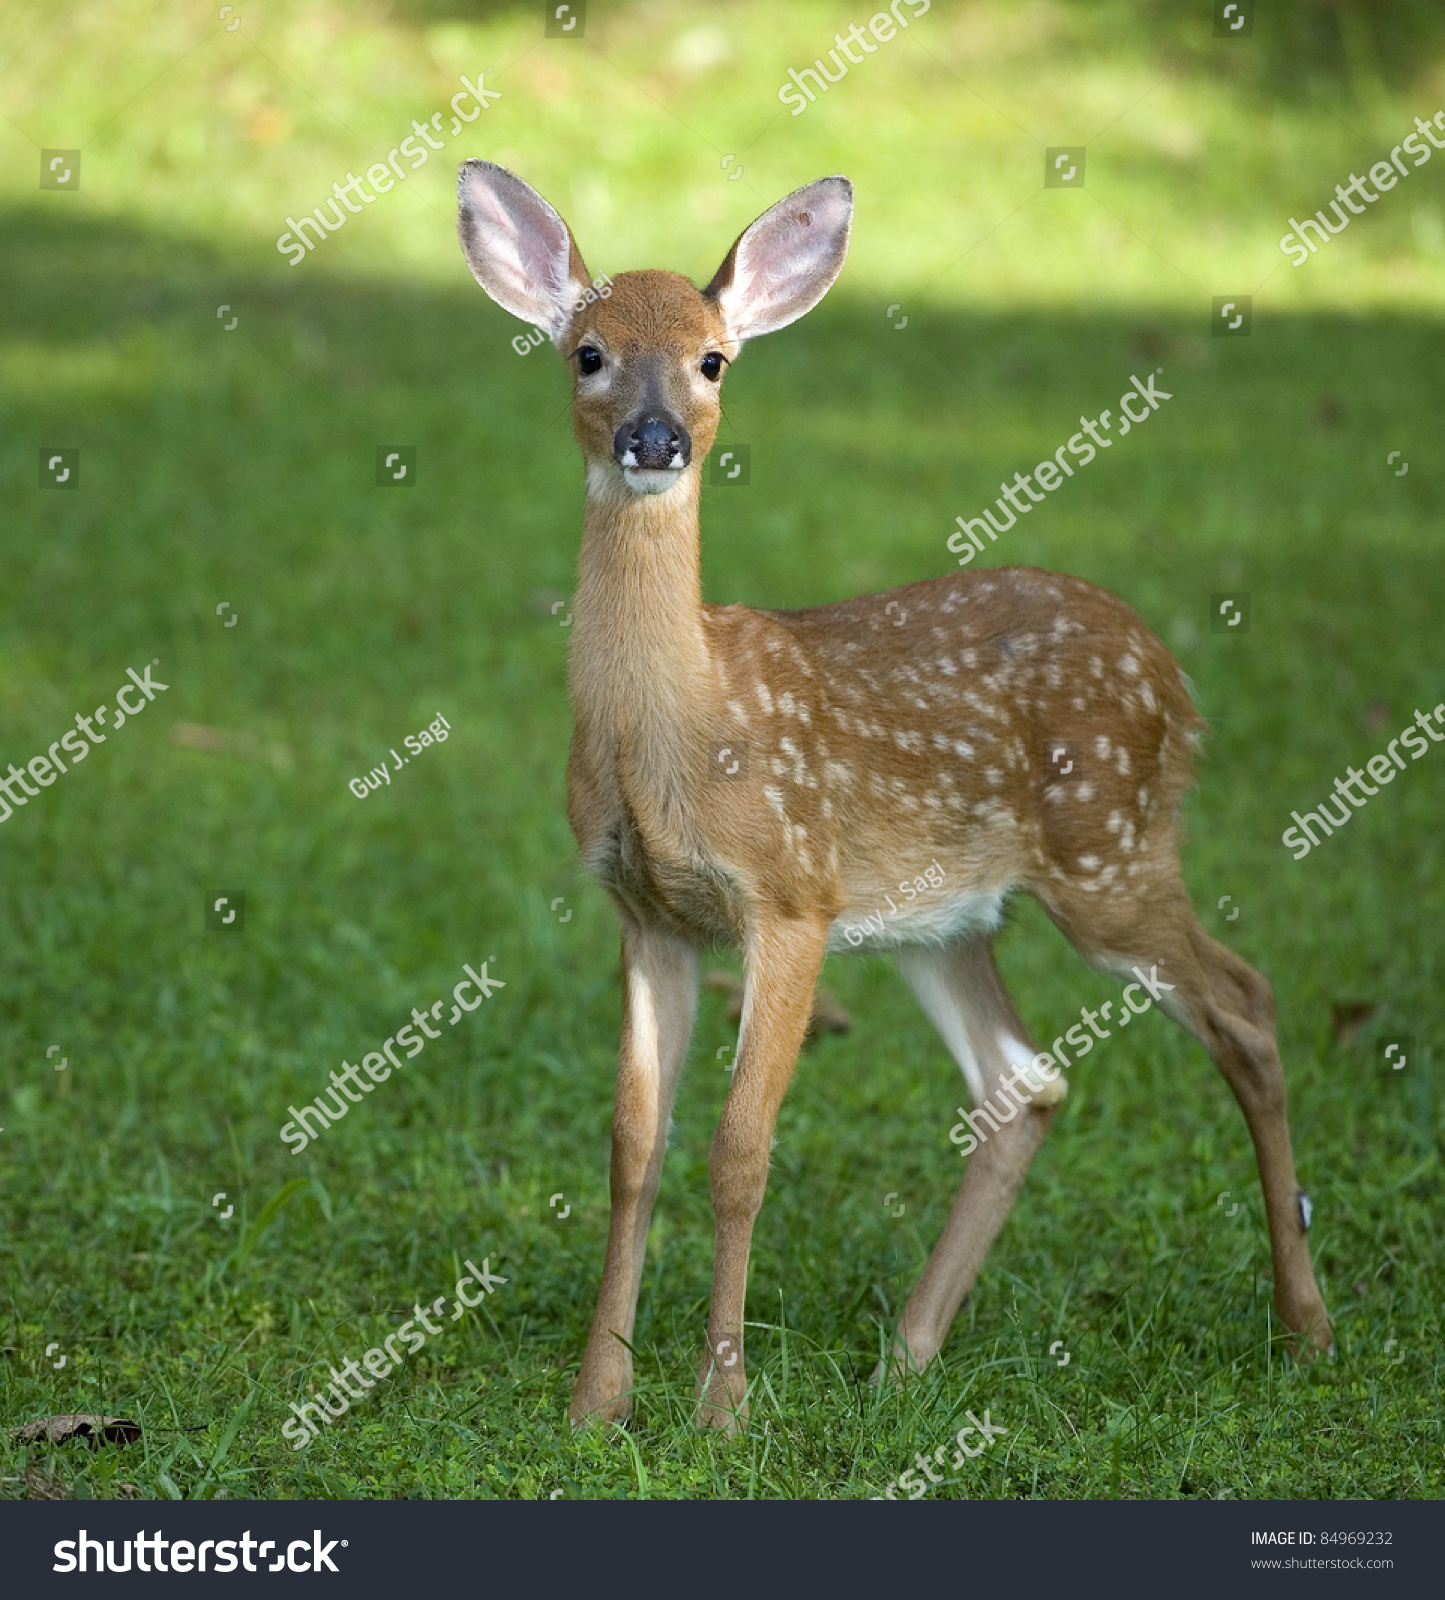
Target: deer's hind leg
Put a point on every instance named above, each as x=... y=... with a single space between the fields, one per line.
x=1229 y=1008
x=963 y=996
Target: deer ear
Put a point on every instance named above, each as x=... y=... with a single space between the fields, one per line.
x=519 y=249
x=786 y=261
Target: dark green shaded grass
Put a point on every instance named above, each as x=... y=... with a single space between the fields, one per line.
x=241 y=468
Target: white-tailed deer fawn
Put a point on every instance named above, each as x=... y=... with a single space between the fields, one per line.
x=923 y=734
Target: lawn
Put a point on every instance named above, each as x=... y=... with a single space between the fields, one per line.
x=163 y=1255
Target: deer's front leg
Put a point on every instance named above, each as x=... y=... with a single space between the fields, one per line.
x=659 y=998
x=781 y=966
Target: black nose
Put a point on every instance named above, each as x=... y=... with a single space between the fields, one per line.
x=654 y=442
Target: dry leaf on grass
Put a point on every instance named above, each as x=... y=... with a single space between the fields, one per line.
x=44 y=1483
x=80 y=1425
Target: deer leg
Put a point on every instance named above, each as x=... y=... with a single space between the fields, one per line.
x=1229 y=1008
x=781 y=965
x=659 y=998
x=1237 y=1028
x=963 y=996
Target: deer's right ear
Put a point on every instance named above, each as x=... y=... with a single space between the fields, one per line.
x=519 y=249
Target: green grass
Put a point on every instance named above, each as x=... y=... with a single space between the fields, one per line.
x=240 y=468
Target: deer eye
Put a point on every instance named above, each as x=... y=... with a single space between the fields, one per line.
x=588 y=359
x=712 y=365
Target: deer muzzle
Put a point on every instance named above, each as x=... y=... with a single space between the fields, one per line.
x=654 y=442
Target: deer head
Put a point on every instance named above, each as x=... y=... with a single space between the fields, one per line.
x=647 y=361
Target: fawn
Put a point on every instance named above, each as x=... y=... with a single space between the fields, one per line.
x=862 y=742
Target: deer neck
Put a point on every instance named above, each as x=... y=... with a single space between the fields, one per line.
x=642 y=677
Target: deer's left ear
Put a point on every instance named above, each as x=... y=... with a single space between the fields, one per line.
x=785 y=263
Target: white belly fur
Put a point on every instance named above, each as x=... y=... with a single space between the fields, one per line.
x=940 y=919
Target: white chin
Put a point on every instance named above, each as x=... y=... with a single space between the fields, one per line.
x=648 y=480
